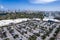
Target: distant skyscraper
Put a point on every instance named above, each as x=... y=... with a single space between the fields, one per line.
x=48 y=15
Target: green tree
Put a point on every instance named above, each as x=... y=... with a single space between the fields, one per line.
x=33 y=37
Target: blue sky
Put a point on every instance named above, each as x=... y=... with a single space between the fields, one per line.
x=43 y=5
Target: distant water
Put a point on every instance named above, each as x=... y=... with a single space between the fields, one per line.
x=3 y=14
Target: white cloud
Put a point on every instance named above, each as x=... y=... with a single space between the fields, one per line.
x=1 y=6
x=41 y=1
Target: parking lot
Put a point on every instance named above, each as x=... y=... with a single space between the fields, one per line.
x=23 y=30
